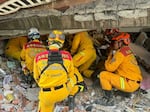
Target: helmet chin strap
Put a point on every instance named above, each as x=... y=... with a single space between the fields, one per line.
x=55 y=45
x=120 y=44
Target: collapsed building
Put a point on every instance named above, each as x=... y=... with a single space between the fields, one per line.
x=17 y=16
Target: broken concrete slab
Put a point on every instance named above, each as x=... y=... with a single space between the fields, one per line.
x=142 y=54
x=141 y=39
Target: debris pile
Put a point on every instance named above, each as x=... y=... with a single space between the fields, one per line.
x=16 y=96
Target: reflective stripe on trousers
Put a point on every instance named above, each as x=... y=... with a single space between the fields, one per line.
x=122 y=83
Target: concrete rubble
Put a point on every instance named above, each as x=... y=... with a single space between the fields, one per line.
x=130 y=15
x=14 y=97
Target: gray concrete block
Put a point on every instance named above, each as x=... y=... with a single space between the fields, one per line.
x=141 y=39
x=146 y=44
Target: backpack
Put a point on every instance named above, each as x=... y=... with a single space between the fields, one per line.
x=54 y=57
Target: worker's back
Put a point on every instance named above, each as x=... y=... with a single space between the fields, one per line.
x=14 y=46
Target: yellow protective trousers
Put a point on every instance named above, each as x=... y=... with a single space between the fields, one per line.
x=83 y=60
x=48 y=99
x=79 y=79
x=78 y=75
x=109 y=80
x=48 y=105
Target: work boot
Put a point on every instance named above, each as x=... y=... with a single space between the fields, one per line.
x=95 y=75
x=95 y=79
x=82 y=86
x=123 y=94
x=71 y=103
x=107 y=99
x=143 y=91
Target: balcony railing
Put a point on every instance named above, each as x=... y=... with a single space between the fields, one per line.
x=12 y=6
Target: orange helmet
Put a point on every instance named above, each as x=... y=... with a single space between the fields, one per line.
x=111 y=31
x=122 y=36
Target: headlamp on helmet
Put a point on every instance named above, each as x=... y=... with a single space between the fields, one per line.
x=33 y=33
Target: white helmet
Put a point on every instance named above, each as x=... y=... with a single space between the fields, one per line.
x=33 y=33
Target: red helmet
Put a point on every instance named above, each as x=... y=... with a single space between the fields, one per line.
x=122 y=36
x=111 y=31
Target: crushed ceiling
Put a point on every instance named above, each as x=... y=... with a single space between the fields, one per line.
x=109 y=9
x=95 y=15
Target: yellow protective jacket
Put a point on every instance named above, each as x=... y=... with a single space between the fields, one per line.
x=53 y=76
x=14 y=46
x=29 y=52
x=124 y=63
x=81 y=42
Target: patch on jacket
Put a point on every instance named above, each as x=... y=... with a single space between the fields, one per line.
x=126 y=51
x=34 y=45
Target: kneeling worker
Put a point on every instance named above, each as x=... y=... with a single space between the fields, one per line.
x=54 y=73
x=29 y=51
x=122 y=70
x=14 y=46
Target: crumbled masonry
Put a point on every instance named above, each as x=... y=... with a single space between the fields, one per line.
x=25 y=99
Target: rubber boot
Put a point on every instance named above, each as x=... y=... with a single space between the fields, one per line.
x=107 y=99
x=71 y=103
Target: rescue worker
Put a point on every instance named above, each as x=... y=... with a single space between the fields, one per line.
x=102 y=50
x=122 y=71
x=109 y=33
x=106 y=43
x=30 y=49
x=14 y=46
x=54 y=74
x=83 y=53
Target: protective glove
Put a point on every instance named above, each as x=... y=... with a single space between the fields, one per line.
x=113 y=52
x=26 y=71
x=24 y=68
x=23 y=65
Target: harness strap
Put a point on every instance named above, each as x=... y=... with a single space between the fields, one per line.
x=55 y=88
x=54 y=57
x=76 y=77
